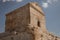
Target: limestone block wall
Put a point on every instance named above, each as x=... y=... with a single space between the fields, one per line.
x=37 y=17
x=21 y=36
x=27 y=34
x=17 y=19
x=33 y=33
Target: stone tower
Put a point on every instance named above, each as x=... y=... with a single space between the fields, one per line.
x=26 y=23
x=28 y=20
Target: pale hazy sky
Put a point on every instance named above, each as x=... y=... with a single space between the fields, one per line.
x=51 y=9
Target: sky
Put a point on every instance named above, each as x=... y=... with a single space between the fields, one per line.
x=51 y=9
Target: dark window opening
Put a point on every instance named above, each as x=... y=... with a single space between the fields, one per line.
x=38 y=24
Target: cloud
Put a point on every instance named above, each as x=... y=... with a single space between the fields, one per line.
x=19 y=0
x=52 y=1
x=45 y=5
x=48 y=2
x=12 y=0
x=55 y=0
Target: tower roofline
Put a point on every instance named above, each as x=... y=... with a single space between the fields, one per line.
x=36 y=7
x=33 y=5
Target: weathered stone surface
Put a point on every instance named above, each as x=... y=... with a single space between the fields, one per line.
x=26 y=23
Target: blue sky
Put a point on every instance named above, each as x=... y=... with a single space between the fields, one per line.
x=51 y=9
